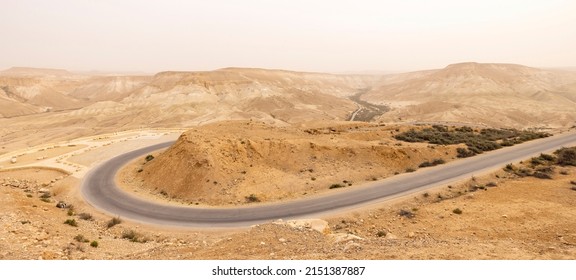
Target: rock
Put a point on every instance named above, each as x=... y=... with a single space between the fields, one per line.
x=343 y=237
x=61 y=204
x=411 y=234
x=315 y=224
x=13 y=160
x=262 y=243
x=282 y=240
x=505 y=216
x=391 y=236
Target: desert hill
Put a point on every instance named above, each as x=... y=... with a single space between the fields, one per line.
x=493 y=94
x=56 y=106
x=226 y=162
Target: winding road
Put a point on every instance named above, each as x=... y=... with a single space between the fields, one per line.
x=99 y=190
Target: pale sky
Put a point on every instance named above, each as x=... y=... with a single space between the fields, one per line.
x=304 y=35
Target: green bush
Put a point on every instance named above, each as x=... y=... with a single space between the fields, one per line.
x=133 y=236
x=487 y=139
x=71 y=222
x=80 y=238
x=94 y=244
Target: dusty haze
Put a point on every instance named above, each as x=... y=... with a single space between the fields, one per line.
x=323 y=36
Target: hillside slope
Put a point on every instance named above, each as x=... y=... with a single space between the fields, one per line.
x=492 y=94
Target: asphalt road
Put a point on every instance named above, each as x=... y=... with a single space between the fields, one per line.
x=99 y=190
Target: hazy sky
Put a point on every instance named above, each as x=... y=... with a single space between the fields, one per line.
x=311 y=35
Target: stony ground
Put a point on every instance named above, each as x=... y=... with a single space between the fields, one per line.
x=515 y=218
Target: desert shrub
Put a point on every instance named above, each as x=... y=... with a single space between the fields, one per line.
x=573 y=182
x=438 y=161
x=71 y=222
x=133 y=236
x=94 y=244
x=425 y=164
x=381 y=233
x=541 y=175
x=547 y=157
x=114 y=221
x=410 y=169
x=464 y=153
x=433 y=163
x=457 y=211
x=149 y=157
x=80 y=238
x=252 y=198
x=566 y=156
x=487 y=139
x=46 y=195
x=85 y=216
x=509 y=167
x=406 y=213
x=336 y=186
x=536 y=161
x=491 y=184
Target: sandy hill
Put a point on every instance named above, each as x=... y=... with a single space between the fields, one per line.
x=225 y=162
x=72 y=106
x=494 y=94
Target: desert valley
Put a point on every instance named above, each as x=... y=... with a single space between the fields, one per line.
x=256 y=137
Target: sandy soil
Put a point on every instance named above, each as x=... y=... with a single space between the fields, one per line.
x=520 y=218
x=516 y=218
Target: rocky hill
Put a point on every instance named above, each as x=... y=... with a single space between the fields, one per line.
x=492 y=94
x=230 y=162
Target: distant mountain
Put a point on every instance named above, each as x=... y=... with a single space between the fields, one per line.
x=492 y=94
x=29 y=71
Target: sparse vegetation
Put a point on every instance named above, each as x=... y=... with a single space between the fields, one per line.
x=486 y=139
x=336 y=186
x=80 y=238
x=541 y=175
x=114 y=221
x=457 y=211
x=406 y=213
x=94 y=244
x=381 y=233
x=433 y=163
x=133 y=236
x=85 y=216
x=566 y=156
x=410 y=169
x=252 y=198
x=71 y=222
x=149 y=157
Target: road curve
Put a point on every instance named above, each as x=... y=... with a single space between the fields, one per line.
x=99 y=190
